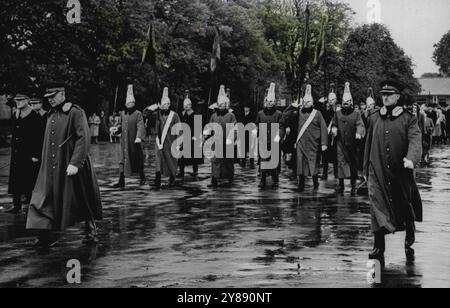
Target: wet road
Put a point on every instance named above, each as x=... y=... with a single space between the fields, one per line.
x=191 y=236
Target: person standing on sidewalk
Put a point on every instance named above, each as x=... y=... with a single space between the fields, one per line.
x=393 y=149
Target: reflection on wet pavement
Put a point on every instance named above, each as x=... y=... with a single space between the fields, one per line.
x=191 y=236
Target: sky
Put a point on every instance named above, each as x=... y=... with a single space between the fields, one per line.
x=416 y=26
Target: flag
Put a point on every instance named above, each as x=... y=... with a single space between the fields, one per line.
x=305 y=53
x=216 y=51
x=150 y=46
x=320 y=48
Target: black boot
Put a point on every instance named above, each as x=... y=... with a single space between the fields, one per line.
x=316 y=182
x=340 y=188
x=45 y=240
x=171 y=181
x=214 y=183
x=301 y=183
x=181 y=174
x=143 y=179
x=325 y=172
x=410 y=239
x=252 y=163
x=157 y=184
x=263 y=183
x=195 y=169
x=121 y=183
x=354 y=190
x=276 y=179
x=243 y=162
x=379 y=248
x=17 y=205
x=91 y=234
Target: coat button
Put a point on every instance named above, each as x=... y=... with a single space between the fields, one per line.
x=387 y=132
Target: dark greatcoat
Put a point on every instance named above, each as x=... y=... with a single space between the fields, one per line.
x=189 y=119
x=394 y=196
x=268 y=117
x=330 y=155
x=60 y=201
x=309 y=146
x=27 y=138
x=131 y=126
x=166 y=163
x=348 y=124
x=223 y=168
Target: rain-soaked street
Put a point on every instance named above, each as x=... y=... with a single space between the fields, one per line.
x=191 y=236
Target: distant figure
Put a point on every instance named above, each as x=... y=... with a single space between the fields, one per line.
x=94 y=125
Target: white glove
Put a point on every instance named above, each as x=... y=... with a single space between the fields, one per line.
x=229 y=142
x=358 y=137
x=408 y=164
x=138 y=140
x=72 y=170
x=334 y=131
x=153 y=107
x=324 y=148
x=34 y=160
x=254 y=133
x=277 y=139
x=288 y=131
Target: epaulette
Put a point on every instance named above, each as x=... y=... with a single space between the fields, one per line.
x=67 y=106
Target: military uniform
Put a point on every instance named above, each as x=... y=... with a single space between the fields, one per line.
x=59 y=201
x=26 y=145
x=393 y=140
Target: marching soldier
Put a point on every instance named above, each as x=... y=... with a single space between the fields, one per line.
x=270 y=115
x=248 y=118
x=188 y=117
x=222 y=168
x=329 y=156
x=166 y=163
x=131 y=129
x=347 y=129
x=393 y=148
x=66 y=190
x=311 y=140
x=26 y=150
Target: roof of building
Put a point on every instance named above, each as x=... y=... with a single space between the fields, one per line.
x=435 y=86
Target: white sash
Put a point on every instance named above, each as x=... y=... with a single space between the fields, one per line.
x=305 y=126
x=165 y=131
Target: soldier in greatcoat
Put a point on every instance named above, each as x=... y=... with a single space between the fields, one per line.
x=312 y=139
x=26 y=150
x=393 y=149
x=347 y=129
x=164 y=119
x=188 y=117
x=66 y=190
x=222 y=167
x=270 y=115
x=131 y=129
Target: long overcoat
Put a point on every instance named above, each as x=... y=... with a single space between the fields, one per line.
x=131 y=126
x=59 y=201
x=310 y=144
x=27 y=138
x=166 y=162
x=394 y=196
x=348 y=125
x=223 y=168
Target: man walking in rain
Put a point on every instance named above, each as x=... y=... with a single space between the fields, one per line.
x=347 y=129
x=393 y=149
x=311 y=140
x=66 y=190
x=132 y=130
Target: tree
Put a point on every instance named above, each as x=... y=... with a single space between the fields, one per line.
x=284 y=23
x=441 y=54
x=371 y=55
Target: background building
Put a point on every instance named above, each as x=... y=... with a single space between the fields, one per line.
x=434 y=91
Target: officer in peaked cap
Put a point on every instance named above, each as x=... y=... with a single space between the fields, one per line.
x=393 y=149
